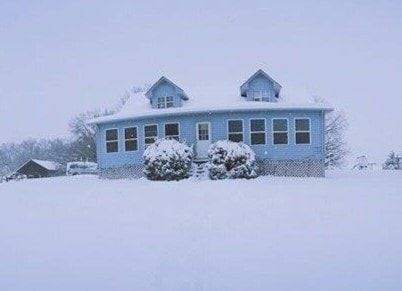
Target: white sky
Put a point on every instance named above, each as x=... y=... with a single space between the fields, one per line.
x=60 y=58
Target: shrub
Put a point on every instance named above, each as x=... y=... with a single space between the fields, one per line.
x=393 y=162
x=167 y=159
x=231 y=160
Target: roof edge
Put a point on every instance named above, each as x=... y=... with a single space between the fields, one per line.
x=168 y=112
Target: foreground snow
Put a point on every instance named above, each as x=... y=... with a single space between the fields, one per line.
x=80 y=233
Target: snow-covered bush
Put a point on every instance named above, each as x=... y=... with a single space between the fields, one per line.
x=231 y=160
x=167 y=159
x=393 y=162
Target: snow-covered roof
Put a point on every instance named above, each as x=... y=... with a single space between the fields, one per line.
x=83 y=164
x=138 y=106
x=49 y=165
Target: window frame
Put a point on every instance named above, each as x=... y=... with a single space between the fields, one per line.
x=277 y=131
x=172 y=136
x=261 y=97
x=302 y=131
x=265 y=132
x=169 y=102
x=235 y=132
x=130 y=139
x=163 y=100
x=113 y=140
x=145 y=137
x=209 y=131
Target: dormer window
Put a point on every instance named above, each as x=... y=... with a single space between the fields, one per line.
x=260 y=87
x=165 y=94
x=165 y=102
x=260 y=95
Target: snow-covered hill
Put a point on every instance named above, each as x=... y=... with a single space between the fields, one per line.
x=79 y=233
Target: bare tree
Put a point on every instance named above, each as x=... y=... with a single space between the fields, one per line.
x=336 y=148
x=84 y=144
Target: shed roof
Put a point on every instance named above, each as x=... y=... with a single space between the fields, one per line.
x=48 y=165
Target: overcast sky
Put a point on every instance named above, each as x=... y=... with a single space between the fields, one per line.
x=60 y=58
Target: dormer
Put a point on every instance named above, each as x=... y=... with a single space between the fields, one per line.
x=165 y=94
x=260 y=87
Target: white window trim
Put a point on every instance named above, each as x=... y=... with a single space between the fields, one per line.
x=178 y=129
x=273 y=132
x=164 y=102
x=303 y=131
x=261 y=96
x=209 y=130
x=169 y=101
x=145 y=137
x=128 y=139
x=113 y=140
x=265 y=131
x=236 y=132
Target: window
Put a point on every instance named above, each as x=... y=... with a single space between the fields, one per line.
x=235 y=130
x=165 y=102
x=150 y=134
x=169 y=101
x=260 y=95
x=302 y=128
x=131 y=141
x=257 y=129
x=172 y=130
x=280 y=131
x=203 y=131
x=112 y=141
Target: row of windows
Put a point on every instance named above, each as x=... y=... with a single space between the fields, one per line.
x=280 y=133
x=131 y=136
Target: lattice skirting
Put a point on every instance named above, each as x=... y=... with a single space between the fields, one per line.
x=292 y=168
x=131 y=171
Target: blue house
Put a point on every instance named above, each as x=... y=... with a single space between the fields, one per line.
x=287 y=139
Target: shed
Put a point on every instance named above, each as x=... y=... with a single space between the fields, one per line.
x=40 y=169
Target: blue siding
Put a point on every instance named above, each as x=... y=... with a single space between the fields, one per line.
x=219 y=131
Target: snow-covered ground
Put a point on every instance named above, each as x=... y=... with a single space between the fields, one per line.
x=343 y=232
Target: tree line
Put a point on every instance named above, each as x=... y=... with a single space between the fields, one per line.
x=80 y=146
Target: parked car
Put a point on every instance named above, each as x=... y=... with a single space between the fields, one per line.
x=15 y=176
x=81 y=168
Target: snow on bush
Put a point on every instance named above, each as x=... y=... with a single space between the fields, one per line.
x=167 y=159
x=231 y=160
x=393 y=162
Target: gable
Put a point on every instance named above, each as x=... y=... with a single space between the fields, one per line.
x=31 y=168
x=260 y=81
x=165 y=94
x=165 y=84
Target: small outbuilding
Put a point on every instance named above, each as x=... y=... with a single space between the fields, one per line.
x=40 y=169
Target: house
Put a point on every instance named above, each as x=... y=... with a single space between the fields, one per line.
x=287 y=139
x=40 y=169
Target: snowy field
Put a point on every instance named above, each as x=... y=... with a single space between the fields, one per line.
x=80 y=233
